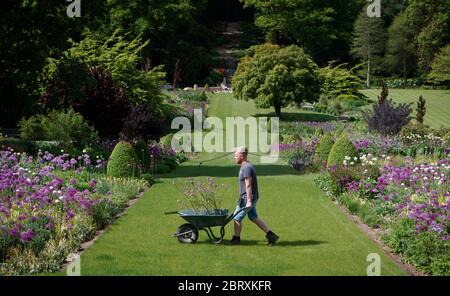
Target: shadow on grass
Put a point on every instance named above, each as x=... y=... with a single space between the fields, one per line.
x=281 y=243
x=227 y=171
x=294 y=116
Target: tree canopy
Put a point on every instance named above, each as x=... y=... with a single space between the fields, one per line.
x=276 y=76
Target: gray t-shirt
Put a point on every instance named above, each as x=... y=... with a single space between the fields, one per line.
x=246 y=170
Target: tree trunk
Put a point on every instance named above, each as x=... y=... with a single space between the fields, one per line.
x=404 y=69
x=277 y=107
x=368 y=72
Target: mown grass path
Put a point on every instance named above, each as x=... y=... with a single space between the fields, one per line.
x=316 y=237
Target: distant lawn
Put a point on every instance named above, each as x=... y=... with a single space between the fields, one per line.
x=437 y=103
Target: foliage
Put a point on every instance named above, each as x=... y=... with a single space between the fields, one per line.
x=420 y=111
x=143 y=154
x=90 y=90
x=67 y=127
x=123 y=161
x=323 y=148
x=400 y=52
x=342 y=148
x=440 y=73
x=322 y=27
x=430 y=24
x=368 y=43
x=275 y=76
x=143 y=122
x=338 y=81
x=388 y=118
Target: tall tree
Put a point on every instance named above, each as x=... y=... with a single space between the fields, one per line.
x=420 y=110
x=430 y=22
x=440 y=69
x=323 y=28
x=400 y=56
x=369 y=42
x=275 y=76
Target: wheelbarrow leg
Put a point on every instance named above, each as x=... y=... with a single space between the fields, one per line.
x=212 y=237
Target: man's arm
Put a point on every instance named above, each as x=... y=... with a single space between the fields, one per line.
x=248 y=190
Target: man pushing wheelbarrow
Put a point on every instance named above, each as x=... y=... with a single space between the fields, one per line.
x=248 y=198
x=206 y=219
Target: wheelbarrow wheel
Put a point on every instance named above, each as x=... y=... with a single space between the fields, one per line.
x=187 y=234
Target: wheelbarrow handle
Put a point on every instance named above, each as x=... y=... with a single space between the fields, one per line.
x=231 y=217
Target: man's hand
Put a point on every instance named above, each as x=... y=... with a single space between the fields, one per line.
x=248 y=204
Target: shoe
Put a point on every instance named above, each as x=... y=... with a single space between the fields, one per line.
x=272 y=238
x=236 y=240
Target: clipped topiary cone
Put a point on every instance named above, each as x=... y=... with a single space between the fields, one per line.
x=123 y=162
x=323 y=148
x=342 y=148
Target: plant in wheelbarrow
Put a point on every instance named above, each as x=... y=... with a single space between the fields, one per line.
x=201 y=208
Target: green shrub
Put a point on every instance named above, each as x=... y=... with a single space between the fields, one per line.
x=342 y=148
x=123 y=161
x=143 y=155
x=288 y=139
x=67 y=127
x=324 y=148
x=32 y=128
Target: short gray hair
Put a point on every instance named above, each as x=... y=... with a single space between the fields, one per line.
x=242 y=150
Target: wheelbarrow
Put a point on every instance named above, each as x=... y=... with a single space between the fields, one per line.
x=188 y=233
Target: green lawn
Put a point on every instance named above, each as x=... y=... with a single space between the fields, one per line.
x=316 y=238
x=437 y=103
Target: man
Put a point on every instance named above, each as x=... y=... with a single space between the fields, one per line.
x=248 y=188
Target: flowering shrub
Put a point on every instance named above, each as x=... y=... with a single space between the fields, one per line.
x=299 y=154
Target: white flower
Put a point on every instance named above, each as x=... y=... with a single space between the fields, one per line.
x=390 y=179
x=59 y=191
x=383 y=156
x=56 y=201
x=355 y=158
x=425 y=178
x=403 y=184
x=28 y=180
x=84 y=150
x=62 y=150
x=374 y=159
x=51 y=187
x=344 y=162
x=61 y=197
x=352 y=163
x=371 y=163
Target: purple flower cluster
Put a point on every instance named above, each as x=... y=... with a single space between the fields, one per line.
x=66 y=162
x=299 y=154
x=29 y=191
x=420 y=192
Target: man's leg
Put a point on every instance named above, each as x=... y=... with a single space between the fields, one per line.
x=237 y=228
x=260 y=224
